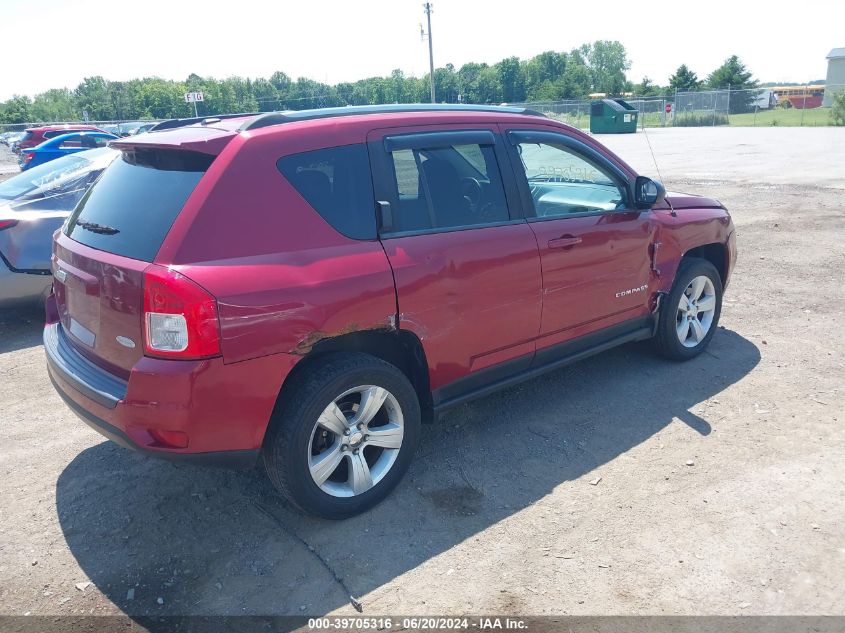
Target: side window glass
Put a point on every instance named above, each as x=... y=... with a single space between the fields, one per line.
x=563 y=182
x=407 y=176
x=337 y=183
x=72 y=142
x=447 y=187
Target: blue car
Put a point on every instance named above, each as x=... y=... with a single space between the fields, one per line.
x=62 y=146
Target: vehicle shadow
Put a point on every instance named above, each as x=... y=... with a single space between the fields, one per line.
x=214 y=542
x=21 y=327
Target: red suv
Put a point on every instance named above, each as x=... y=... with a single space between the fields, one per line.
x=307 y=288
x=34 y=136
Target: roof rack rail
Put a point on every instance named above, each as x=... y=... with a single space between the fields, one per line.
x=290 y=116
x=170 y=124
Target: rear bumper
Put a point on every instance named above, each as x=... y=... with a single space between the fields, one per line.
x=242 y=459
x=222 y=409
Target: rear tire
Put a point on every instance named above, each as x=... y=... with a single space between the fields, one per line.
x=343 y=436
x=689 y=314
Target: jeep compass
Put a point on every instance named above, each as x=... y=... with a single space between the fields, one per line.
x=304 y=289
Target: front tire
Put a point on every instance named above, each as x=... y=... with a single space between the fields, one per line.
x=689 y=314
x=343 y=436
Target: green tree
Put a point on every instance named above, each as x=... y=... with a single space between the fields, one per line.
x=734 y=75
x=837 y=111
x=646 y=88
x=266 y=95
x=93 y=96
x=16 y=110
x=445 y=85
x=577 y=80
x=468 y=77
x=608 y=62
x=550 y=75
x=512 y=79
x=684 y=80
x=544 y=69
x=54 y=105
x=162 y=99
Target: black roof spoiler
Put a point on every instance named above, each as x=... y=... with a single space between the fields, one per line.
x=170 y=124
x=290 y=116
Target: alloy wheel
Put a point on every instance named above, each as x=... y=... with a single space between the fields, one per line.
x=696 y=310
x=355 y=441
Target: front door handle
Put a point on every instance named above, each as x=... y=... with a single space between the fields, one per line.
x=565 y=241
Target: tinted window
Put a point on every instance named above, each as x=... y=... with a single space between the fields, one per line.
x=74 y=142
x=563 y=182
x=336 y=182
x=447 y=187
x=88 y=141
x=134 y=203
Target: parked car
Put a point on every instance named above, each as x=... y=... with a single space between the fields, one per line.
x=307 y=288
x=62 y=146
x=145 y=128
x=36 y=135
x=135 y=127
x=10 y=139
x=7 y=138
x=33 y=205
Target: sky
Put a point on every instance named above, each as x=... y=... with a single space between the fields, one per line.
x=56 y=43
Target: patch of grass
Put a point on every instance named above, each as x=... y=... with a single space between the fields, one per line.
x=792 y=117
x=775 y=117
x=580 y=120
x=700 y=119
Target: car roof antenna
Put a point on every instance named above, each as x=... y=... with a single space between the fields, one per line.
x=654 y=159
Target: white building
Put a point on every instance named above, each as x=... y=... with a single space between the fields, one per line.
x=835 y=75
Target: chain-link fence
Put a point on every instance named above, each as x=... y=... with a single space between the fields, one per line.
x=116 y=127
x=786 y=106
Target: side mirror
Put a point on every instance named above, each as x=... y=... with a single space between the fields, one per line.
x=648 y=193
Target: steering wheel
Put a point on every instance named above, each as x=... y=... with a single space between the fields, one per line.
x=471 y=190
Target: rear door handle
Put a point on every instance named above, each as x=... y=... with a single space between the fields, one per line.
x=567 y=241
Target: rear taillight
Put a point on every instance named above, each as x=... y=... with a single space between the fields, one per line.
x=28 y=157
x=7 y=224
x=180 y=317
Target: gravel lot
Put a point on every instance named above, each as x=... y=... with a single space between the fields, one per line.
x=622 y=485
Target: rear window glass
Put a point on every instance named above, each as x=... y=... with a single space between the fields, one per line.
x=57 y=185
x=132 y=206
x=336 y=182
x=38 y=177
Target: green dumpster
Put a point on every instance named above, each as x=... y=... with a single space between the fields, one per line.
x=612 y=116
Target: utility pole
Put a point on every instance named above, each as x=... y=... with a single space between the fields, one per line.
x=428 y=9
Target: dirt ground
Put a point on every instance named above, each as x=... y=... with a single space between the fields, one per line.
x=622 y=485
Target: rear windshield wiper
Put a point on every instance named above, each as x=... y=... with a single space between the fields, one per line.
x=97 y=228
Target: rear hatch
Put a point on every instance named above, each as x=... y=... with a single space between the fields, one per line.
x=109 y=241
x=29 y=139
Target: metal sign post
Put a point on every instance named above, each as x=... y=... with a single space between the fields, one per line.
x=193 y=97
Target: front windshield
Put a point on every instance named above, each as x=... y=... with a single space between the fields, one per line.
x=58 y=184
